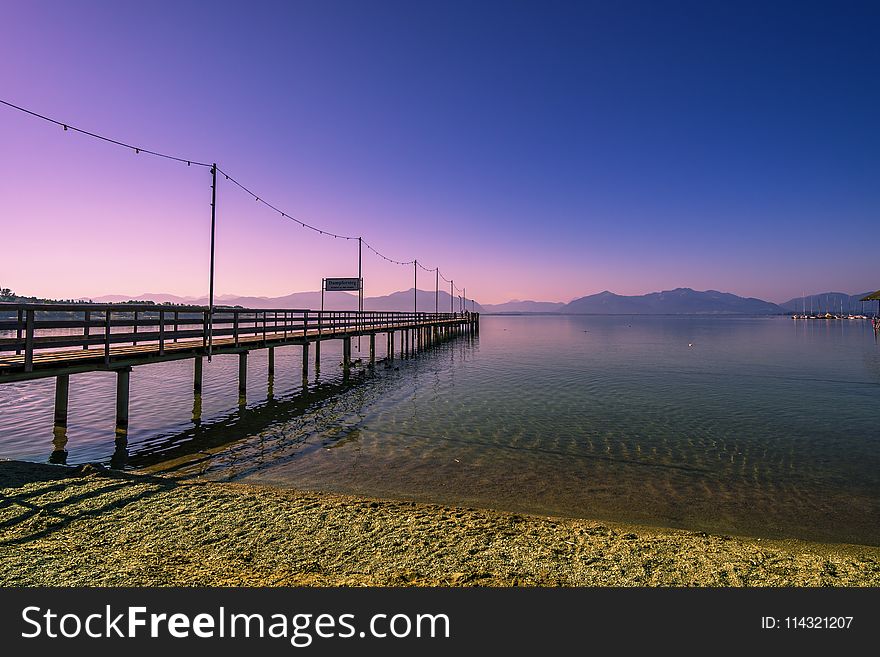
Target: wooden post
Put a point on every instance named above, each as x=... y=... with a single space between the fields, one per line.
x=123 y=377
x=29 y=342
x=390 y=345
x=107 y=314
x=18 y=332
x=62 y=387
x=305 y=367
x=272 y=361
x=372 y=348
x=346 y=353
x=242 y=373
x=197 y=374
x=161 y=332
x=197 y=409
x=88 y=318
x=317 y=356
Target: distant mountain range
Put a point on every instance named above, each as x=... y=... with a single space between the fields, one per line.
x=681 y=301
x=517 y=306
x=402 y=301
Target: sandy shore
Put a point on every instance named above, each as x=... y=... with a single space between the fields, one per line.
x=64 y=528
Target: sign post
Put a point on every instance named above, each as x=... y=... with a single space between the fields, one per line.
x=342 y=284
x=339 y=285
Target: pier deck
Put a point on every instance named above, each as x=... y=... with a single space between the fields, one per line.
x=58 y=340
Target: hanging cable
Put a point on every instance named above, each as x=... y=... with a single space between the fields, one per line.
x=191 y=162
x=281 y=212
x=136 y=149
x=396 y=262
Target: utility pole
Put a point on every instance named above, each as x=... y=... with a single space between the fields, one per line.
x=451 y=298
x=211 y=281
x=437 y=290
x=415 y=286
x=360 y=291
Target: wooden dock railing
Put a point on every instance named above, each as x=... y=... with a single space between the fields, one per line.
x=31 y=329
x=60 y=340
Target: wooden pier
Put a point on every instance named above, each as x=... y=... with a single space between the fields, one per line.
x=57 y=340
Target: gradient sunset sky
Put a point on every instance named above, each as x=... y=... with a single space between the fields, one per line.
x=532 y=150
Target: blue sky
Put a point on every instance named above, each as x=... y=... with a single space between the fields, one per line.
x=529 y=149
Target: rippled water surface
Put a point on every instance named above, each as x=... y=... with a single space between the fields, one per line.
x=762 y=426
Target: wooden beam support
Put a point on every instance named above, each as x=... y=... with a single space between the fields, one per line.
x=346 y=353
x=197 y=374
x=62 y=389
x=242 y=373
x=123 y=380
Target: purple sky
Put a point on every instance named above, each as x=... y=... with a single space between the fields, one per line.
x=531 y=150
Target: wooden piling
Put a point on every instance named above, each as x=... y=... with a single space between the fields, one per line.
x=62 y=388
x=197 y=374
x=242 y=373
x=272 y=361
x=123 y=379
x=346 y=353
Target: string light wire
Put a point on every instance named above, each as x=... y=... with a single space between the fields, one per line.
x=191 y=162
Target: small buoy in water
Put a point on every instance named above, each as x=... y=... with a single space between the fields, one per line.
x=690 y=344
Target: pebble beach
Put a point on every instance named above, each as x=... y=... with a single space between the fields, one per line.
x=84 y=526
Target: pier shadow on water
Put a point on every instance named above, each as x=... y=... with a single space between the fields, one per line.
x=289 y=419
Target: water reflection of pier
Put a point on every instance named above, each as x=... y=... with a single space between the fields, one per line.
x=58 y=340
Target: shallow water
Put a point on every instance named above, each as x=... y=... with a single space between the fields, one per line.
x=763 y=426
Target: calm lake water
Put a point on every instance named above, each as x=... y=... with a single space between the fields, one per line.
x=759 y=426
